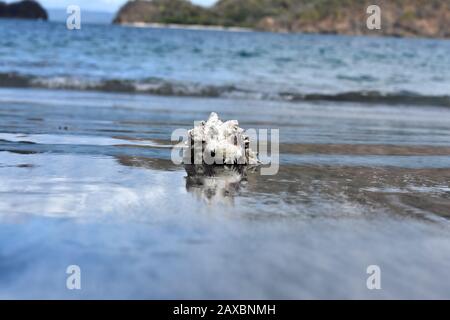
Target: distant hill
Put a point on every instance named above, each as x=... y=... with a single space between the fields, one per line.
x=23 y=9
x=164 y=11
x=425 y=18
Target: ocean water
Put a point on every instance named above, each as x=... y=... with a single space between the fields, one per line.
x=221 y=64
x=86 y=177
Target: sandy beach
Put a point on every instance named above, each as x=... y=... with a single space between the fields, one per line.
x=86 y=176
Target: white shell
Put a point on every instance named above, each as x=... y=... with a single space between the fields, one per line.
x=222 y=138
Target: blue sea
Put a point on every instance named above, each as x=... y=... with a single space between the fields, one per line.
x=220 y=64
x=86 y=176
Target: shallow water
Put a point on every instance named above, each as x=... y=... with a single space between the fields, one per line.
x=86 y=176
x=86 y=179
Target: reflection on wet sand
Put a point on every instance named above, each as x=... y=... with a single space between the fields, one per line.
x=356 y=186
x=147 y=163
x=318 y=190
x=417 y=193
x=210 y=184
x=215 y=184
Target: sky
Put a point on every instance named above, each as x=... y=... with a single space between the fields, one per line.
x=97 y=5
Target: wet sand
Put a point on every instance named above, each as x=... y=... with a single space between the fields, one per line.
x=86 y=179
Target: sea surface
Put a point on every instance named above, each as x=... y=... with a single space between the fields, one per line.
x=86 y=176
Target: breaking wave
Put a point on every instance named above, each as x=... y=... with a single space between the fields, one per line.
x=156 y=86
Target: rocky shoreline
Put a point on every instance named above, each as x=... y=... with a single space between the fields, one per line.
x=400 y=18
x=157 y=25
